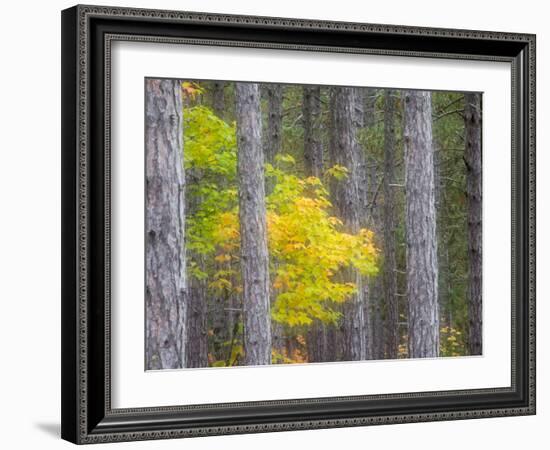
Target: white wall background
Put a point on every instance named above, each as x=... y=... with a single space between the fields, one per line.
x=30 y=223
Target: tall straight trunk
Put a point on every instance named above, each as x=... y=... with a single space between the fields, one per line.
x=347 y=200
x=319 y=348
x=253 y=230
x=313 y=140
x=207 y=310
x=472 y=158
x=378 y=332
x=218 y=98
x=197 y=300
x=359 y=110
x=165 y=272
x=443 y=241
x=313 y=158
x=272 y=141
x=369 y=106
x=274 y=133
x=420 y=220
x=376 y=292
x=197 y=337
x=390 y=265
x=363 y=182
x=363 y=178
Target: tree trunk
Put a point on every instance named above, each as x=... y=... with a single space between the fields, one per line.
x=313 y=166
x=347 y=200
x=359 y=110
x=206 y=310
x=370 y=106
x=390 y=266
x=272 y=140
x=165 y=226
x=313 y=143
x=363 y=178
x=274 y=136
x=197 y=311
x=218 y=98
x=363 y=183
x=378 y=332
x=376 y=293
x=472 y=158
x=420 y=219
x=253 y=230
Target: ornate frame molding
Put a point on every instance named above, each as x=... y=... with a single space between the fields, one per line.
x=86 y=422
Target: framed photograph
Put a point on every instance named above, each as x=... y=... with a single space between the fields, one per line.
x=280 y=224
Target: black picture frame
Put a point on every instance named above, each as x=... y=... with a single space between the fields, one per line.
x=87 y=32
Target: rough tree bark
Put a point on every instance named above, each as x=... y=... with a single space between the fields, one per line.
x=218 y=98
x=196 y=354
x=363 y=183
x=344 y=151
x=444 y=240
x=378 y=331
x=374 y=305
x=376 y=288
x=318 y=347
x=273 y=137
x=359 y=110
x=164 y=251
x=420 y=220
x=313 y=142
x=253 y=230
x=390 y=266
x=472 y=159
x=360 y=121
x=369 y=105
x=272 y=142
x=203 y=310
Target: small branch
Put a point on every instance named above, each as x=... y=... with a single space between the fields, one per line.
x=449 y=179
x=448 y=113
x=452 y=103
x=300 y=116
x=375 y=196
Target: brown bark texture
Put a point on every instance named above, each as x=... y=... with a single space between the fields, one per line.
x=253 y=230
x=197 y=327
x=274 y=136
x=370 y=106
x=363 y=183
x=165 y=226
x=313 y=128
x=390 y=265
x=318 y=346
x=376 y=311
x=218 y=98
x=473 y=161
x=420 y=219
x=345 y=151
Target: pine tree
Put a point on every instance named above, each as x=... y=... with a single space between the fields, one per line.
x=253 y=230
x=390 y=266
x=472 y=159
x=420 y=218
x=165 y=292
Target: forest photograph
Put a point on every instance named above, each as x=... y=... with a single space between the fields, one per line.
x=293 y=224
